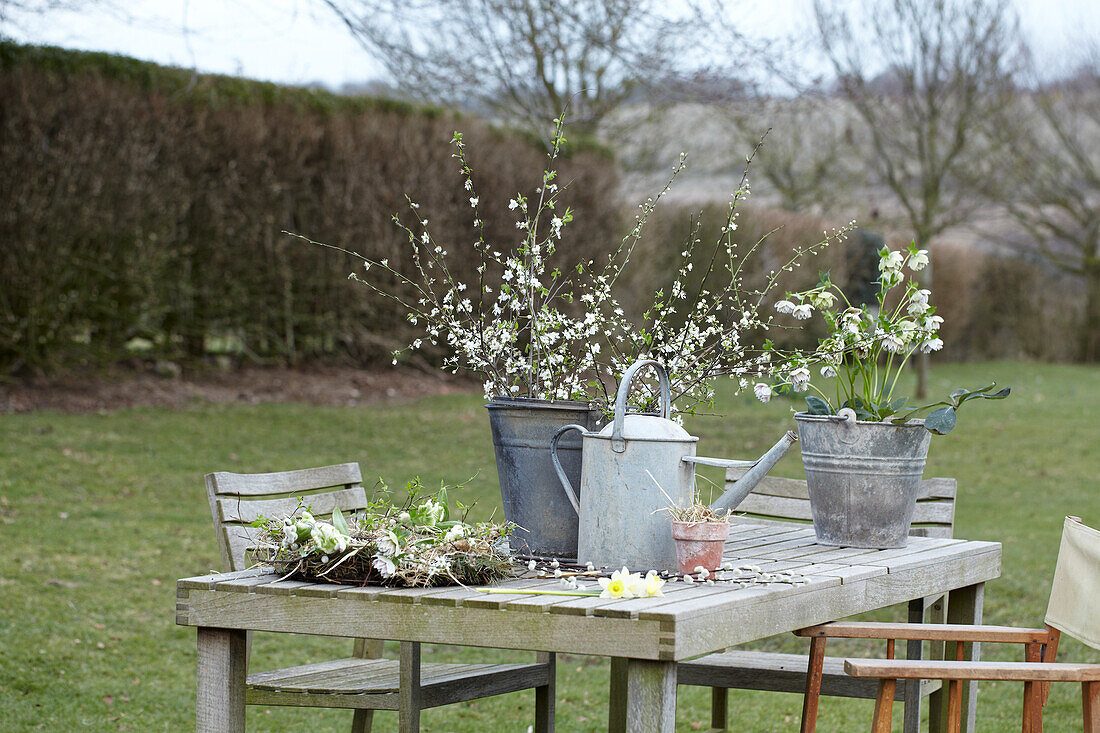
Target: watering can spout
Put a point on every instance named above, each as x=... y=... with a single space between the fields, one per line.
x=744 y=485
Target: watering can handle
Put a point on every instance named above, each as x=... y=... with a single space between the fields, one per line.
x=570 y=493
x=617 y=443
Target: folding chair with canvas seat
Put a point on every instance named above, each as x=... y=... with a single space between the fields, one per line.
x=363 y=682
x=1074 y=609
x=786 y=501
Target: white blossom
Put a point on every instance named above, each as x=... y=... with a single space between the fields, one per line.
x=893 y=343
x=891 y=261
x=762 y=391
x=784 y=306
x=929 y=345
x=384 y=565
x=800 y=379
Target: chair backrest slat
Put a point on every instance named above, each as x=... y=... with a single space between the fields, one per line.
x=286 y=482
x=236 y=499
x=786 y=500
x=234 y=509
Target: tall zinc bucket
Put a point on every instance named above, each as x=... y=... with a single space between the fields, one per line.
x=863 y=478
x=529 y=487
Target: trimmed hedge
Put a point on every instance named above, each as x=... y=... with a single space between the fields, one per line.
x=144 y=205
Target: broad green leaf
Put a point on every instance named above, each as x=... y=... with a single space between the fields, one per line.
x=817 y=406
x=940 y=421
x=865 y=415
x=338 y=522
x=441 y=497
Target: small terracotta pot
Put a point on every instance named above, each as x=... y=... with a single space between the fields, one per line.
x=699 y=544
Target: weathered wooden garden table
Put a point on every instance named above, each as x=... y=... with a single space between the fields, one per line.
x=644 y=637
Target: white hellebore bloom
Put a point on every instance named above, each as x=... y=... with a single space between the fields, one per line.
x=893 y=343
x=455 y=533
x=824 y=299
x=619 y=584
x=918 y=261
x=802 y=311
x=929 y=345
x=890 y=278
x=828 y=371
x=433 y=512
x=762 y=391
x=851 y=320
x=891 y=261
x=800 y=379
x=388 y=543
x=785 y=306
x=328 y=538
x=384 y=565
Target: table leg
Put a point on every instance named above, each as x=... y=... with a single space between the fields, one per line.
x=913 y=650
x=964 y=606
x=643 y=696
x=221 y=671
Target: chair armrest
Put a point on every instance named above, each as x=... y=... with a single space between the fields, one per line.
x=906 y=669
x=926 y=632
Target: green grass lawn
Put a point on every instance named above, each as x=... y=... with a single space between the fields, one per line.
x=102 y=513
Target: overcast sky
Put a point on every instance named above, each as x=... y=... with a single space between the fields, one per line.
x=298 y=42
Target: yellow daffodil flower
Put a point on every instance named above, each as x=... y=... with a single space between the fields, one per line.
x=620 y=584
x=650 y=585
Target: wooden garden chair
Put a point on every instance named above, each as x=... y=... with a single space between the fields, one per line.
x=1074 y=608
x=363 y=682
x=786 y=501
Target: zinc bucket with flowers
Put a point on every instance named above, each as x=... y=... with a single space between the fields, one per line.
x=862 y=449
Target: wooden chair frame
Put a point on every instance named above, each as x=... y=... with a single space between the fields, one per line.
x=1037 y=671
x=783 y=501
x=364 y=682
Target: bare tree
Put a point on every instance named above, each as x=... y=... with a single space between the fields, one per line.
x=525 y=61
x=1050 y=181
x=924 y=75
x=14 y=12
x=805 y=158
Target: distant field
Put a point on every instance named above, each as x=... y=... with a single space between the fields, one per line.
x=101 y=513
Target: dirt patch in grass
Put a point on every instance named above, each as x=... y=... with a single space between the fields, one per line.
x=319 y=385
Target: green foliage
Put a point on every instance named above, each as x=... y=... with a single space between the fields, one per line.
x=941 y=421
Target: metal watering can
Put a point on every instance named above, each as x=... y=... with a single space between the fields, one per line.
x=629 y=467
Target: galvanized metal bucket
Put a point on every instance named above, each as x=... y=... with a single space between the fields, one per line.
x=529 y=487
x=863 y=478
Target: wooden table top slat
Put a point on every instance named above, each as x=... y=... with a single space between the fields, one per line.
x=687 y=607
